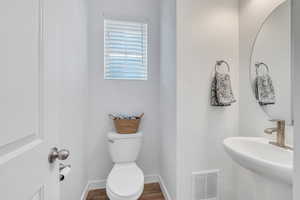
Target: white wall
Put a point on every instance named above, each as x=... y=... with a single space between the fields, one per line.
x=74 y=87
x=206 y=31
x=113 y=96
x=168 y=164
x=296 y=92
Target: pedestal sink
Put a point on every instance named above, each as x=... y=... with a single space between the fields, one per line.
x=257 y=155
x=272 y=166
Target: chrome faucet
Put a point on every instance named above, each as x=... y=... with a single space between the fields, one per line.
x=280 y=130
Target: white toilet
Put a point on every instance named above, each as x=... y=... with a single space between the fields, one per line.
x=126 y=179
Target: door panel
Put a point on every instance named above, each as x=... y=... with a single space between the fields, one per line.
x=20 y=70
x=29 y=69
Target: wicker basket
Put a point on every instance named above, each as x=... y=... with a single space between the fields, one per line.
x=127 y=126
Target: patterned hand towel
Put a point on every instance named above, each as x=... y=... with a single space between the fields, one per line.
x=221 y=91
x=264 y=90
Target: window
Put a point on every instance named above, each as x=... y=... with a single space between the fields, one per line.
x=125 y=50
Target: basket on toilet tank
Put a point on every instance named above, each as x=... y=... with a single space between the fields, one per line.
x=127 y=124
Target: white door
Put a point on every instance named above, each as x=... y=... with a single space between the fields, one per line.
x=29 y=64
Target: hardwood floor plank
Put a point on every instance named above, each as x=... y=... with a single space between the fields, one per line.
x=151 y=191
x=152 y=188
x=154 y=196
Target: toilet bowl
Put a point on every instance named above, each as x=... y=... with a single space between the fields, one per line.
x=126 y=179
x=125 y=182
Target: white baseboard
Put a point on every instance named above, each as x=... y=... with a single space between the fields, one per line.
x=100 y=184
x=85 y=192
x=151 y=179
x=164 y=188
x=92 y=185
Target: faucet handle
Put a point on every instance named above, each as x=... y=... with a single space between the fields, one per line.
x=277 y=120
x=280 y=122
x=270 y=130
x=280 y=126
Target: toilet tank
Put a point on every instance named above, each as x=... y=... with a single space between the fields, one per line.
x=124 y=147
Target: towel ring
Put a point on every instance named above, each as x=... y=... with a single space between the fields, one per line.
x=259 y=64
x=219 y=63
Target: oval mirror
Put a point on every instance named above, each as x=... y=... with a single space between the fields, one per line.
x=270 y=69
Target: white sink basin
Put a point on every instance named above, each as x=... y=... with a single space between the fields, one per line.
x=257 y=155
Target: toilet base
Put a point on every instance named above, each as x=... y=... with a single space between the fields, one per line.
x=112 y=196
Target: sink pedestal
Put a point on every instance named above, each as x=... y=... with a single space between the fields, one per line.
x=269 y=189
x=252 y=186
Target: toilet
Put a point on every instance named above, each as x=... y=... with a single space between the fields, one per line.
x=126 y=179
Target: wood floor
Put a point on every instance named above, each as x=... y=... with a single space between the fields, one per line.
x=152 y=191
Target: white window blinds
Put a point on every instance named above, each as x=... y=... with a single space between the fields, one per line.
x=125 y=50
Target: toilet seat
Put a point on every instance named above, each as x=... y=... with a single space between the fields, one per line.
x=125 y=182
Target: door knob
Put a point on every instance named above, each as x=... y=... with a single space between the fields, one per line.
x=60 y=155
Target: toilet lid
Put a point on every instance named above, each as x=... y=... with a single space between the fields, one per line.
x=125 y=180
